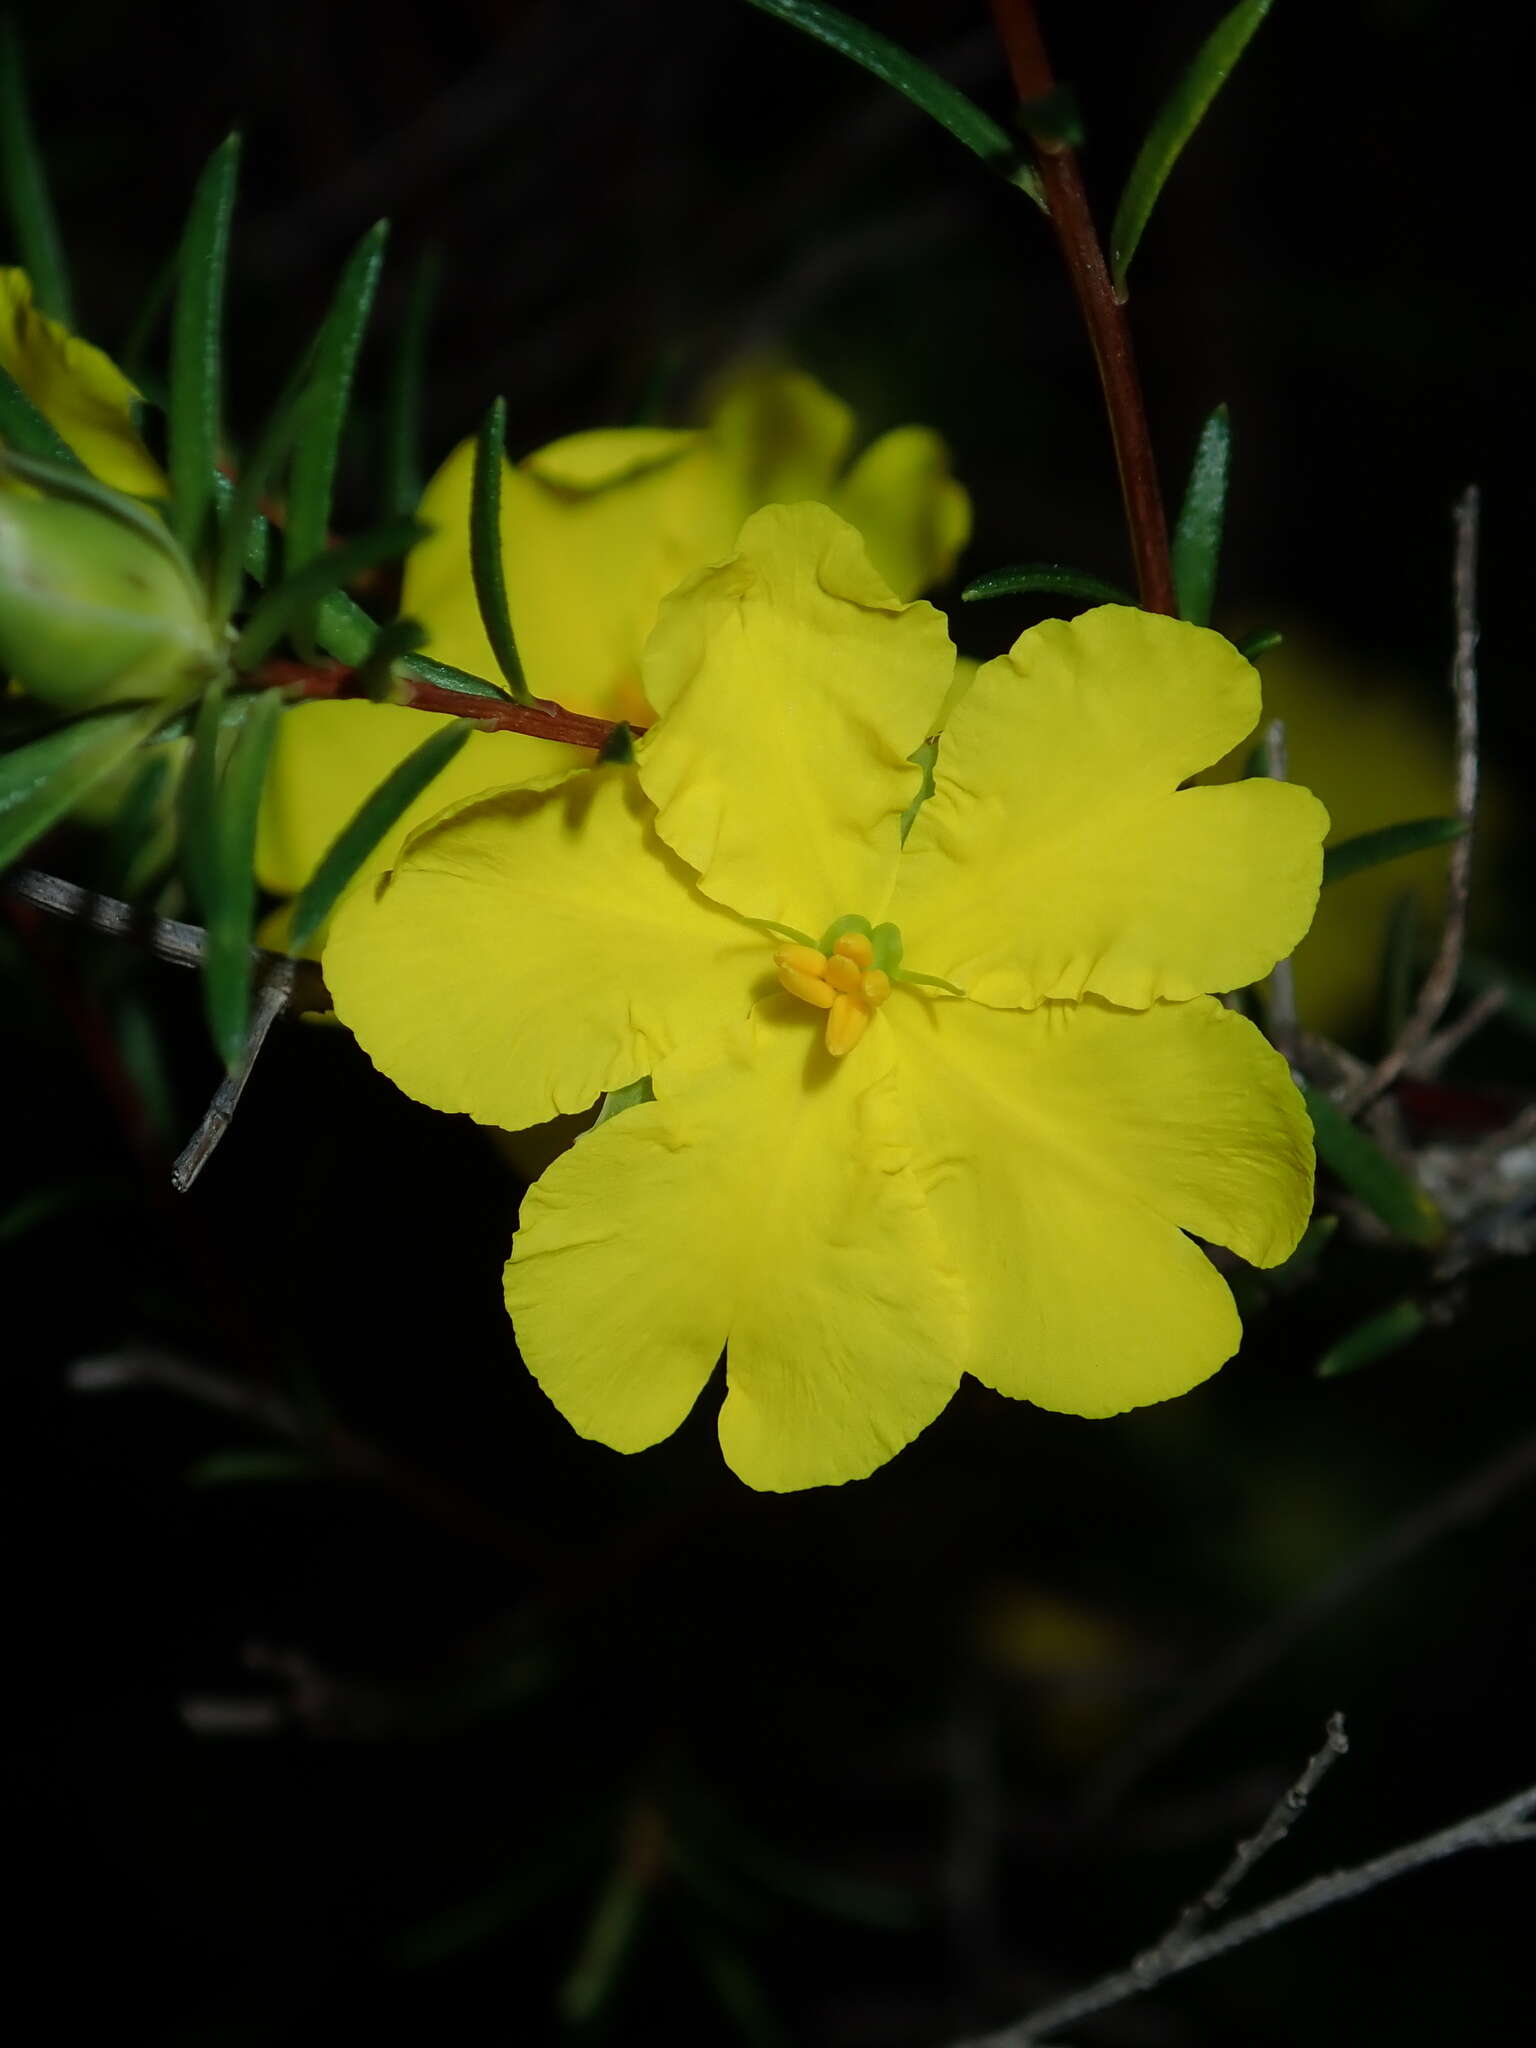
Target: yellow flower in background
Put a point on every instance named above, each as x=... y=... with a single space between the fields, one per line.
x=597 y=528
x=918 y=1110
x=82 y=394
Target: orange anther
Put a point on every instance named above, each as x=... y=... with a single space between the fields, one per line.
x=875 y=987
x=843 y=974
x=847 y=1022
x=804 y=960
x=807 y=988
x=855 y=946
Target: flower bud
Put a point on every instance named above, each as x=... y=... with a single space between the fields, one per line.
x=92 y=610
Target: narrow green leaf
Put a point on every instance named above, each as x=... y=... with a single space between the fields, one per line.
x=243 y=1468
x=312 y=478
x=1397 y=958
x=23 y=428
x=617 y=1100
x=439 y=672
x=296 y=594
x=146 y=324
x=240 y=508
x=1178 y=118
x=606 y=1947
x=197 y=797
x=1369 y=1174
x=346 y=631
x=137 y=840
x=914 y=80
x=1051 y=577
x=1378 y=1335
x=1257 y=645
x=196 y=395
x=378 y=812
x=26 y=185
x=230 y=908
x=376 y=672
x=485 y=548
x=1392 y=842
x=401 y=430
x=39 y=783
x=1197 y=536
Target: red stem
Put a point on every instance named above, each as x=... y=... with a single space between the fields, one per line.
x=495 y=714
x=1103 y=315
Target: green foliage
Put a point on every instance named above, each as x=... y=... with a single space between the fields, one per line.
x=914 y=80
x=1359 y=1162
x=617 y=1100
x=23 y=428
x=1049 y=577
x=378 y=812
x=1197 y=535
x=1387 y=1331
x=1177 y=119
x=1257 y=645
x=485 y=548
x=1392 y=842
x=40 y=782
x=228 y=877
x=195 y=403
x=26 y=186
x=926 y=759
x=282 y=609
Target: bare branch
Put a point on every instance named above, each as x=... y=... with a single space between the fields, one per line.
x=1155 y=1962
x=1498 y=1827
x=273 y=992
x=1440 y=982
x=1437 y=1050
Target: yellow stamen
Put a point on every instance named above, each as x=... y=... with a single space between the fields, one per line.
x=855 y=946
x=807 y=988
x=843 y=974
x=847 y=1022
x=804 y=960
x=875 y=987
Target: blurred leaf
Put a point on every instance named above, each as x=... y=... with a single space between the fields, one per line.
x=1197 y=536
x=23 y=427
x=239 y=506
x=197 y=797
x=1397 y=965
x=926 y=758
x=35 y=1210
x=196 y=388
x=485 y=547
x=26 y=185
x=1177 y=119
x=914 y=80
x=376 y=672
x=69 y=481
x=1392 y=842
x=230 y=902
x=1046 y=576
x=40 y=782
x=617 y=1100
x=146 y=322
x=401 y=430
x=1257 y=645
x=619 y=747
x=1374 y=1338
x=738 y=1987
x=1370 y=1175
x=284 y=606
x=361 y=834
x=312 y=477
x=242 y=1468
x=137 y=823
x=605 y=1948
x=1480 y=972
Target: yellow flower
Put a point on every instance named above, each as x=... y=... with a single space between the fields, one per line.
x=860 y=1200
x=79 y=391
x=597 y=528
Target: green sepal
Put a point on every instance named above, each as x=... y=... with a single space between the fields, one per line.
x=886 y=940
x=841 y=926
x=617 y=1100
x=619 y=746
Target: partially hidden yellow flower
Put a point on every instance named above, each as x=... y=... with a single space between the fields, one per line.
x=860 y=1200
x=596 y=529
x=82 y=393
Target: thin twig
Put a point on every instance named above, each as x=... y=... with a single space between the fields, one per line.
x=544 y=720
x=274 y=991
x=1498 y=1827
x=1437 y=1050
x=1283 y=1816
x=1472 y=1497
x=1103 y=315
x=1280 y=989
x=1440 y=983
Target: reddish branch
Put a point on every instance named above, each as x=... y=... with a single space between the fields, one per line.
x=495 y=714
x=1103 y=314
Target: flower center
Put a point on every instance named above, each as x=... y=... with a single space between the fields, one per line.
x=844 y=981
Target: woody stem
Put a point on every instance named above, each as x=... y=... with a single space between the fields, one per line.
x=1103 y=315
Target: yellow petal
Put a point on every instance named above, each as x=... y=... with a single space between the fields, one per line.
x=78 y=390
x=1067 y=1149
x=330 y=755
x=535 y=949
x=778 y=436
x=595 y=530
x=765 y=1202
x=1058 y=855
x=914 y=516
x=792 y=687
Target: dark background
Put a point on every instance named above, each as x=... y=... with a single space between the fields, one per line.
x=397 y=1739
